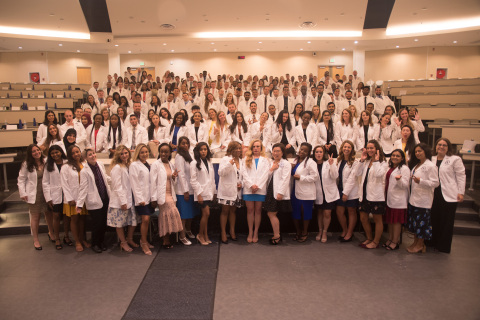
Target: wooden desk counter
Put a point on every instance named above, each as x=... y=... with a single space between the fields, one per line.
x=16 y=138
x=74 y=94
x=64 y=103
x=26 y=115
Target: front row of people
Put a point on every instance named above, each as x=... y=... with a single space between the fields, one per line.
x=421 y=194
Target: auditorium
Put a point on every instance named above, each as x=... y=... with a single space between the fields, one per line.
x=181 y=160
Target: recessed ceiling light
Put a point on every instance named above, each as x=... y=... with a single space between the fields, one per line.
x=60 y=44
x=212 y=42
x=355 y=42
x=455 y=41
x=397 y=46
x=214 y=49
x=78 y=50
x=116 y=45
x=164 y=43
x=258 y=49
x=301 y=49
x=416 y=40
x=20 y=48
x=129 y=51
x=172 y=50
x=309 y=41
x=279 y=34
x=259 y=41
x=343 y=49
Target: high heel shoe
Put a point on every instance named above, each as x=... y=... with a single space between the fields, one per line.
x=146 y=248
x=59 y=245
x=190 y=234
x=125 y=247
x=78 y=247
x=50 y=238
x=185 y=241
x=69 y=242
x=37 y=248
x=375 y=247
x=131 y=243
x=324 y=236
x=303 y=238
x=389 y=247
x=203 y=243
x=275 y=241
x=422 y=250
x=319 y=235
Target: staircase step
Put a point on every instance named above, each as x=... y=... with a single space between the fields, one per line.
x=467 y=214
x=467 y=228
x=18 y=223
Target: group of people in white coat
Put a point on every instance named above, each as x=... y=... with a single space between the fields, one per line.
x=414 y=191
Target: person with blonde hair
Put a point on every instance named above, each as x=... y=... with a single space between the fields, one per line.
x=219 y=136
x=255 y=177
x=121 y=213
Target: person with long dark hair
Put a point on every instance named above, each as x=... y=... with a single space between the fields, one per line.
x=52 y=191
x=96 y=134
x=303 y=192
x=114 y=135
x=229 y=188
x=447 y=195
x=184 y=191
x=50 y=118
x=197 y=131
x=326 y=133
x=384 y=134
x=70 y=179
x=157 y=134
x=372 y=169
x=407 y=142
x=424 y=180
x=283 y=132
x=52 y=137
x=239 y=131
x=69 y=139
x=163 y=176
x=396 y=190
x=306 y=131
x=177 y=129
x=202 y=178
x=31 y=191
x=326 y=190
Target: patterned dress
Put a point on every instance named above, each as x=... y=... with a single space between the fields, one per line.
x=169 y=220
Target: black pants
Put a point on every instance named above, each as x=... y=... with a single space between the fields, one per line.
x=442 y=218
x=99 y=223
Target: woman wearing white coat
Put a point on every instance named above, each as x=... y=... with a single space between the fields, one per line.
x=219 y=136
x=347 y=189
x=52 y=190
x=239 y=131
x=70 y=179
x=345 y=129
x=326 y=190
x=448 y=194
x=198 y=130
x=120 y=209
x=139 y=174
x=303 y=193
x=116 y=135
x=326 y=133
x=157 y=134
x=96 y=134
x=50 y=118
x=230 y=188
x=31 y=191
x=202 y=179
x=278 y=190
x=396 y=189
x=162 y=185
x=255 y=177
x=384 y=134
x=424 y=180
x=282 y=131
x=261 y=130
x=372 y=192
x=177 y=129
x=94 y=191
x=365 y=130
x=306 y=131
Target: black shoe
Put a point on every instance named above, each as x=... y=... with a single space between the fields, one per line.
x=346 y=240
x=340 y=238
x=104 y=247
x=225 y=242
x=97 y=249
x=233 y=239
x=69 y=242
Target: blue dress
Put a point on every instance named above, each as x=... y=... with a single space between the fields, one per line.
x=254 y=197
x=298 y=204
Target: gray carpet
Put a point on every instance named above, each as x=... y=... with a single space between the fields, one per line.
x=179 y=285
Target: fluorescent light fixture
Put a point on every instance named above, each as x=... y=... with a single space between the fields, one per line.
x=397 y=46
x=116 y=45
x=279 y=34
x=455 y=41
x=355 y=42
x=343 y=49
x=434 y=26
x=129 y=51
x=20 y=48
x=44 y=33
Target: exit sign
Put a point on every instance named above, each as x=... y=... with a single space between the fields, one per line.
x=332 y=60
x=142 y=63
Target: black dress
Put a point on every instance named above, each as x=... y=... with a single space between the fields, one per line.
x=273 y=205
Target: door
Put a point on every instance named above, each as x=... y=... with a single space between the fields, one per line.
x=333 y=70
x=84 y=75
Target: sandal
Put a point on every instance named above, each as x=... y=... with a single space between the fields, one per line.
x=146 y=248
x=389 y=247
x=67 y=241
x=50 y=238
x=303 y=238
x=324 y=236
x=386 y=244
x=376 y=245
x=297 y=237
x=58 y=245
x=125 y=247
x=78 y=247
x=364 y=243
x=275 y=241
x=132 y=243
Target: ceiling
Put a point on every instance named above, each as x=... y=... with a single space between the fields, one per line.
x=136 y=26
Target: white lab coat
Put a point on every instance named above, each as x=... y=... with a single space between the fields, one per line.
x=452 y=177
x=109 y=144
x=421 y=194
x=328 y=183
x=360 y=144
x=88 y=192
x=322 y=134
x=183 y=183
x=276 y=137
x=227 y=185
x=140 y=182
x=70 y=180
x=376 y=180
x=305 y=187
x=101 y=138
x=345 y=132
x=312 y=135
x=397 y=193
x=349 y=180
x=202 y=181
x=235 y=135
x=254 y=133
x=121 y=191
x=223 y=139
x=384 y=137
x=182 y=131
x=52 y=185
x=281 y=179
x=27 y=183
x=81 y=133
x=141 y=136
x=256 y=175
x=202 y=134
x=158 y=182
